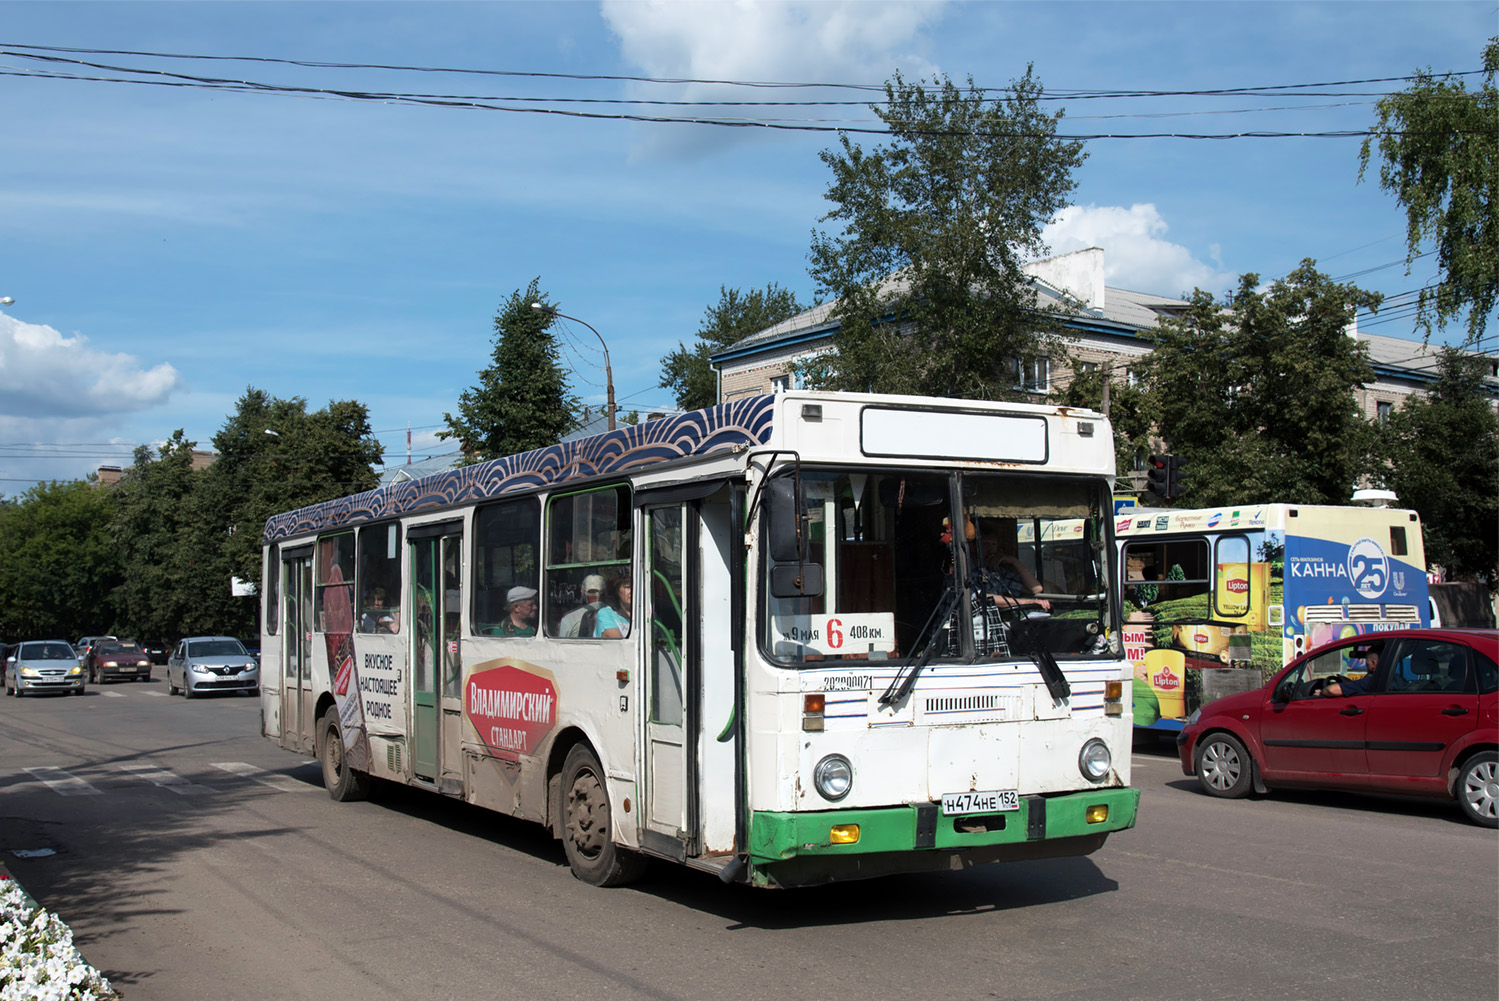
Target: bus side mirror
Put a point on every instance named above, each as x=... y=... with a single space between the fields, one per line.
x=788 y=521
x=796 y=580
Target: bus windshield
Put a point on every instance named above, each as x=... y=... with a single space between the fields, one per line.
x=1028 y=569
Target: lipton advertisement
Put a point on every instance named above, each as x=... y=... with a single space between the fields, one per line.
x=1241 y=597
x=1196 y=611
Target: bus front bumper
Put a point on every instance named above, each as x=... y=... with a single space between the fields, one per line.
x=799 y=849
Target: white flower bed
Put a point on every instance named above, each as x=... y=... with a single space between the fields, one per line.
x=37 y=958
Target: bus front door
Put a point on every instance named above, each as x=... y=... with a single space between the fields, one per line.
x=666 y=661
x=297 y=723
x=437 y=666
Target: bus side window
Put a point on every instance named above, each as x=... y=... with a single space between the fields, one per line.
x=588 y=554
x=506 y=546
x=1397 y=541
x=380 y=578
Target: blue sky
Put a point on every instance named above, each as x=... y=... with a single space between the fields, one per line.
x=167 y=247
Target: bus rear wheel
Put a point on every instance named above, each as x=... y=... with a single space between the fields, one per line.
x=587 y=828
x=344 y=784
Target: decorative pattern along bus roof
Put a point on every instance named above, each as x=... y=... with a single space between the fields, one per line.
x=699 y=433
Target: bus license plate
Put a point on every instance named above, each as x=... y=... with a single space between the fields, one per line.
x=954 y=803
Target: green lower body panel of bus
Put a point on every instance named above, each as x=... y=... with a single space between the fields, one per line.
x=798 y=849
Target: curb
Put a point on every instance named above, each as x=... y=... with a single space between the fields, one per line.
x=6 y=877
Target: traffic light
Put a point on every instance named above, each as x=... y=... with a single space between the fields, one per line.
x=1158 y=475
x=1175 y=477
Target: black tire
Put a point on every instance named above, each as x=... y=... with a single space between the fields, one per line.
x=187 y=692
x=1224 y=767
x=1478 y=788
x=344 y=784
x=587 y=827
x=80 y=689
x=171 y=688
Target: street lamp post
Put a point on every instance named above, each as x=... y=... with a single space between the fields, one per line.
x=608 y=371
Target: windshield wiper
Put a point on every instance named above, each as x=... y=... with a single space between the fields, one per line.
x=921 y=651
x=1051 y=671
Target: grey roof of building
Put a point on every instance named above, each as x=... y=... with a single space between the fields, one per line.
x=1122 y=307
x=421 y=467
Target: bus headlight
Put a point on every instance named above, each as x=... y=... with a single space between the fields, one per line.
x=833 y=777
x=1094 y=761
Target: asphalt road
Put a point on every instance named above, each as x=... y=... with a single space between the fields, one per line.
x=199 y=862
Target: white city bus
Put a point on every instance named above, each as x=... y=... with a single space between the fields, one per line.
x=741 y=639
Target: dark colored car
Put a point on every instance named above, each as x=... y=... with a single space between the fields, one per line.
x=108 y=659
x=157 y=651
x=1413 y=712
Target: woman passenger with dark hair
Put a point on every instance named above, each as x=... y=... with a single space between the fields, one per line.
x=613 y=620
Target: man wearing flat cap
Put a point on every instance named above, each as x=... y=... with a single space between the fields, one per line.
x=521 y=603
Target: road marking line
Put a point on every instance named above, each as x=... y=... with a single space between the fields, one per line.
x=113 y=695
x=273 y=779
x=157 y=695
x=63 y=783
x=165 y=779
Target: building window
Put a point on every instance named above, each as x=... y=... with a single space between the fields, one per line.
x=1131 y=378
x=781 y=383
x=1087 y=366
x=1382 y=410
x=1034 y=375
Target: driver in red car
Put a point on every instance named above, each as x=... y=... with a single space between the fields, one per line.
x=1356 y=686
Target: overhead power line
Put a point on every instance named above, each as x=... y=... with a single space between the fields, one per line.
x=568 y=106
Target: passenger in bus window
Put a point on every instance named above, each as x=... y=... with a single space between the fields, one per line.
x=592 y=592
x=377 y=618
x=613 y=620
x=522 y=606
x=1006 y=580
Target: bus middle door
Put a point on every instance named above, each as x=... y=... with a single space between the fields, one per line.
x=436 y=654
x=667 y=609
x=297 y=722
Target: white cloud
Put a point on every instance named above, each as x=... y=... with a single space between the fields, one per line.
x=1136 y=254
x=746 y=40
x=48 y=375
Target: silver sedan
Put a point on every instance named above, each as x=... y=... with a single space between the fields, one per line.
x=202 y=664
x=42 y=666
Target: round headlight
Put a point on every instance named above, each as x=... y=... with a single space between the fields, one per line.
x=1095 y=760
x=833 y=777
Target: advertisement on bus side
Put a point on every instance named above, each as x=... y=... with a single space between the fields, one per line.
x=1217 y=601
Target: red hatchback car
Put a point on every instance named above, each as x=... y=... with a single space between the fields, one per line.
x=1414 y=712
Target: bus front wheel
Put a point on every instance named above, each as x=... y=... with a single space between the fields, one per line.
x=587 y=828
x=344 y=784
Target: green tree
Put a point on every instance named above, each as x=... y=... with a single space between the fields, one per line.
x=523 y=400
x=1132 y=412
x=927 y=266
x=312 y=457
x=154 y=515
x=58 y=564
x=687 y=371
x=1439 y=151
x=1444 y=453
x=1257 y=393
